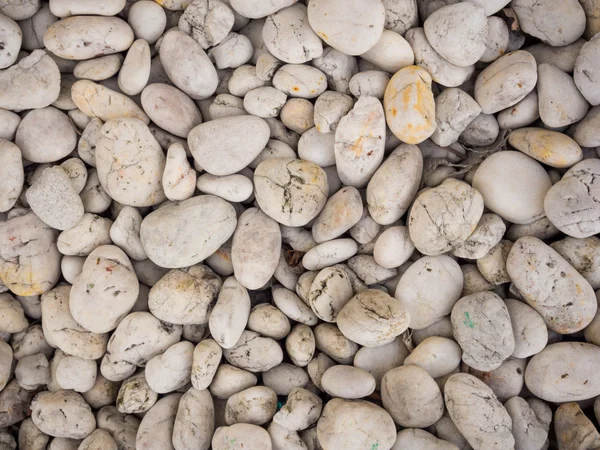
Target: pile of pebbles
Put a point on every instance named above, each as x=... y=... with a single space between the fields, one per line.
x=299 y=225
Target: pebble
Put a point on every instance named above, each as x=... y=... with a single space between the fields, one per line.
x=409 y=105
x=521 y=200
x=54 y=200
x=236 y=150
x=291 y=191
x=209 y=219
x=84 y=37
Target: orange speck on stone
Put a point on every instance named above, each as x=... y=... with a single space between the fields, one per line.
x=520 y=85
x=394 y=112
x=295 y=88
x=323 y=35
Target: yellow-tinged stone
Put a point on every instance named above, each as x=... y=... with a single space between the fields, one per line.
x=549 y=147
x=174 y=5
x=409 y=105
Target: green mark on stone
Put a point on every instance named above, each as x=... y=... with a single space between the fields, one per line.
x=468 y=322
x=375 y=446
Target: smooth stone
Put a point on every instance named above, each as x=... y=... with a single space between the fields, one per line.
x=187 y=65
x=482 y=327
x=442 y=71
x=105 y=291
x=571 y=203
x=551 y=286
x=491 y=89
x=185 y=296
x=428 y=290
x=545 y=374
x=96 y=100
x=359 y=142
x=54 y=200
x=130 y=163
x=45 y=135
x=586 y=130
x=561 y=24
x=521 y=200
x=560 y=103
x=11 y=37
x=255 y=249
x=84 y=37
x=329 y=253
x=170 y=109
x=289 y=37
x=477 y=413
x=352 y=27
x=207 y=22
x=549 y=147
x=587 y=71
x=409 y=105
x=341 y=212
x=442 y=218
x=185 y=233
x=12 y=175
x=34 y=82
x=458 y=32
x=65 y=8
x=394 y=184
x=291 y=191
x=239 y=140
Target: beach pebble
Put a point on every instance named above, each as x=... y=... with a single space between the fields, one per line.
x=442 y=218
x=565 y=15
x=559 y=107
x=544 y=373
x=291 y=191
x=128 y=150
x=491 y=91
x=477 y=413
x=520 y=200
x=208 y=22
x=350 y=27
x=545 y=280
x=54 y=200
x=549 y=147
x=482 y=326
x=454 y=111
x=411 y=396
x=96 y=100
x=84 y=37
x=230 y=135
x=147 y=19
x=377 y=426
x=34 y=82
x=409 y=105
x=48 y=143
x=586 y=72
x=181 y=56
x=570 y=204
x=209 y=219
x=359 y=144
x=458 y=32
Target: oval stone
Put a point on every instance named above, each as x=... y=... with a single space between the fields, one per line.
x=239 y=140
x=85 y=37
x=183 y=234
x=291 y=191
x=551 y=286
